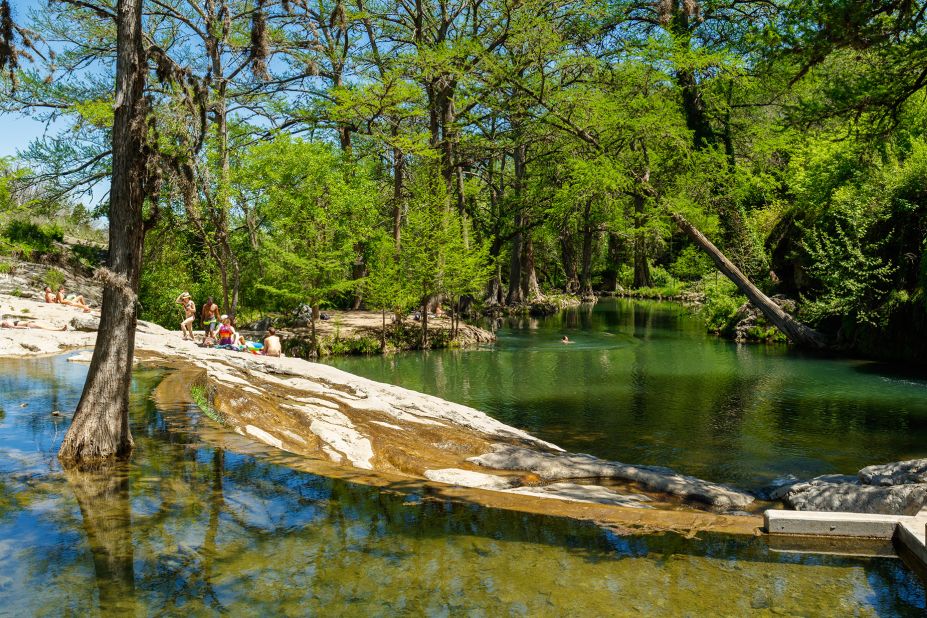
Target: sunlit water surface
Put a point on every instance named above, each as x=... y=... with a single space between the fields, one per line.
x=193 y=528
x=643 y=383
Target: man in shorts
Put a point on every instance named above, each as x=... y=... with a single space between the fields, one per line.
x=210 y=319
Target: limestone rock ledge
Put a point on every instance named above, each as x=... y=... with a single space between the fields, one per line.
x=898 y=488
x=558 y=466
x=341 y=419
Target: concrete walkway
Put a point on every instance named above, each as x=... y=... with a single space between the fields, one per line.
x=908 y=533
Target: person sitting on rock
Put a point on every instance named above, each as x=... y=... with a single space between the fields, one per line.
x=23 y=324
x=226 y=332
x=72 y=300
x=272 y=343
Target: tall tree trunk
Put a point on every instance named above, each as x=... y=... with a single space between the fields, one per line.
x=798 y=333
x=493 y=295
x=516 y=266
x=585 y=275
x=425 y=324
x=642 y=277
x=531 y=291
x=516 y=292
x=568 y=257
x=613 y=259
x=315 y=337
x=100 y=428
x=398 y=171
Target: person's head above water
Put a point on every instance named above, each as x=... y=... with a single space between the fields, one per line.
x=565 y=339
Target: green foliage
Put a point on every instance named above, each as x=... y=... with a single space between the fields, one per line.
x=23 y=237
x=317 y=209
x=722 y=301
x=691 y=264
x=54 y=278
x=854 y=281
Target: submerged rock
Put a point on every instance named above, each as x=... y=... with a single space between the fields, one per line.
x=557 y=466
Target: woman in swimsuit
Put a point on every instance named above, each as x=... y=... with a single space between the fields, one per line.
x=186 y=327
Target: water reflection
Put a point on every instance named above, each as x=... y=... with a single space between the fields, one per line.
x=191 y=527
x=644 y=383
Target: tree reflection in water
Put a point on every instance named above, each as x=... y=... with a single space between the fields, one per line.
x=103 y=498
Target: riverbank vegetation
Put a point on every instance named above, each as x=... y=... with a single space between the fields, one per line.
x=492 y=154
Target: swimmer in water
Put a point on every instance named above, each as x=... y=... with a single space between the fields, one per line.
x=565 y=340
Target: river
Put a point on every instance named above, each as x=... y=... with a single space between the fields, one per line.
x=202 y=521
x=644 y=383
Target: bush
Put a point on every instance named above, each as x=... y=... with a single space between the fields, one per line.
x=89 y=256
x=54 y=278
x=722 y=301
x=31 y=239
x=691 y=264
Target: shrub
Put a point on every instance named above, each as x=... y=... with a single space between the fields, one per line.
x=722 y=301
x=691 y=264
x=54 y=278
x=30 y=238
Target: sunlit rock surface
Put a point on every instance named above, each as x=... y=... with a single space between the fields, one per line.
x=557 y=466
x=324 y=413
x=898 y=488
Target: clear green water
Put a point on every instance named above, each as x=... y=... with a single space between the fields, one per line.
x=194 y=527
x=643 y=383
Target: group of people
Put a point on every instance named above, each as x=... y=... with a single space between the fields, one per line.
x=63 y=298
x=218 y=331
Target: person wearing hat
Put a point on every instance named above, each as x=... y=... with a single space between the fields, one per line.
x=186 y=327
x=226 y=332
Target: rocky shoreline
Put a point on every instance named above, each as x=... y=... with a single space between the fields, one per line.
x=358 y=425
x=352 y=424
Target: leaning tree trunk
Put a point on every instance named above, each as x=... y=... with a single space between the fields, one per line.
x=798 y=333
x=100 y=429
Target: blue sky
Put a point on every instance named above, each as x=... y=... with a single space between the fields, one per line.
x=17 y=131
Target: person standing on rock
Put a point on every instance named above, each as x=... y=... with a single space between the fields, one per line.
x=186 y=326
x=210 y=318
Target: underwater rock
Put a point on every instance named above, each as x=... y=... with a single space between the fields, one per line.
x=556 y=466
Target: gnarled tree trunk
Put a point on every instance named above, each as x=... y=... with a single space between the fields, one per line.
x=100 y=429
x=798 y=333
